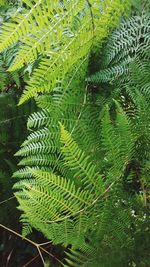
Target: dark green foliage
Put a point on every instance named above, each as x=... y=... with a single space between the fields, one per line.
x=12 y=132
x=122 y=220
x=104 y=162
x=85 y=177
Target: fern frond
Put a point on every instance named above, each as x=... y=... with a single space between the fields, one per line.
x=77 y=160
x=39 y=119
x=129 y=40
x=107 y=21
x=62 y=196
x=37 y=147
x=127 y=43
x=40 y=134
x=114 y=136
x=22 y=23
x=23 y=174
x=51 y=29
x=41 y=160
x=63 y=38
x=110 y=74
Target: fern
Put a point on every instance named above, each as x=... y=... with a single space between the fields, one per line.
x=67 y=27
x=76 y=159
x=128 y=42
x=120 y=148
x=82 y=170
x=81 y=194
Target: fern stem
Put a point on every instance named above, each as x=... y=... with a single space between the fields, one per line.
x=40 y=253
x=19 y=235
x=38 y=246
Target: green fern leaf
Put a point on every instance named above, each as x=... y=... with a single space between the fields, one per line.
x=76 y=159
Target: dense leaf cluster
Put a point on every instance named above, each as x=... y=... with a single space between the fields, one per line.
x=84 y=181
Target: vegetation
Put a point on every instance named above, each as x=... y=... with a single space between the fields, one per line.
x=84 y=176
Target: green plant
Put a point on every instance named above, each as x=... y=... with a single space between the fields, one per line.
x=64 y=37
x=129 y=42
x=84 y=183
x=69 y=195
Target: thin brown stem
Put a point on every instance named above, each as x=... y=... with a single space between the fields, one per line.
x=38 y=246
x=30 y=261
